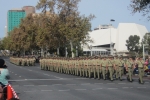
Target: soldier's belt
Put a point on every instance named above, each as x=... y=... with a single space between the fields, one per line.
x=98 y=65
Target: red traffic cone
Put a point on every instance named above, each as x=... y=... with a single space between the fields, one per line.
x=9 y=93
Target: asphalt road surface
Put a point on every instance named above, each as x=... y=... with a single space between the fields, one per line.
x=34 y=84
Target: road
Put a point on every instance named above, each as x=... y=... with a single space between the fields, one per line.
x=34 y=84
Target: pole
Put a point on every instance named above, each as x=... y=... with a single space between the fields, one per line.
x=143 y=53
x=66 y=52
x=110 y=43
x=76 y=51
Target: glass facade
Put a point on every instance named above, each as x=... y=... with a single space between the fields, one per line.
x=14 y=18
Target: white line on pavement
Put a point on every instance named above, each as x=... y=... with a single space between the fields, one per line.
x=46 y=90
x=98 y=83
x=63 y=90
x=97 y=89
x=80 y=89
x=121 y=83
x=112 y=88
x=42 y=85
x=45 y=79
x=28 y=85
x=46 y=74
x=110 y=83
x=57 y=84
x=70 y=84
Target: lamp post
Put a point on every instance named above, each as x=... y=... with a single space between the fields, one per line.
x=66 y=51
x=111 y=51
x=76 y=51
x=91 y=49
x=144 y=51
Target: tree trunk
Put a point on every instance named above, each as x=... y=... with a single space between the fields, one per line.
x=58 y=51
x=72 y=53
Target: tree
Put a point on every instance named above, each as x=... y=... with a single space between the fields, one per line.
x=133 y=43
x=141 y=6
x=146 y=40
x=68 y=27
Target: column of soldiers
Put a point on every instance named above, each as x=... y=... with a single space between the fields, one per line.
x=23 y=61
x=98 y=67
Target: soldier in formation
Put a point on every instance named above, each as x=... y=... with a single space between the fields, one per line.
x=97 y=67
x=23 y=61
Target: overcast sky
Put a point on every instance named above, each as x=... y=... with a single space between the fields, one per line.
x=104 y=10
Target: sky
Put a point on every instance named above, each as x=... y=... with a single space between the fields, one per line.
x=104 y=10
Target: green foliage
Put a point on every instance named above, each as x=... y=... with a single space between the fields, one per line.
x=146 y=40
x=133 y=43
x=51 y=29
x=141 y=6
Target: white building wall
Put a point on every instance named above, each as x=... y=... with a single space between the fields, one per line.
x=125 y=30
x=118 y=35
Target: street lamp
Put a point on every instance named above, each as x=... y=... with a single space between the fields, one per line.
x=144 y=51
x=66 y=52
x=91 y=49
x=76 y=51
x=111 y=51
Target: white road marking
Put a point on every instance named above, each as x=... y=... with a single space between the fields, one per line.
x=141 y=87
x=15 y=85
x=57 y=77
x=110 y=83
x=85 y=83
x=42 y=85
x=112 y=88
x=98 y=83
x=97 y=89
x=46 y=74
x=57 y=84
x=44 y=79
x=63 y=90
x=70 y=84
x=121 y=83
x=28 y=85
x=80 y=89
x=46 y=90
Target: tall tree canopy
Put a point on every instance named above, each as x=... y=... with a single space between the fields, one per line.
x=58 y=26
x=133 y=43
x=141 y=6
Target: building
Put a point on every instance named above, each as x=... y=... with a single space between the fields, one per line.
x=29 y=9
x=6 y=34
x=14 y=18
x=105 y=35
